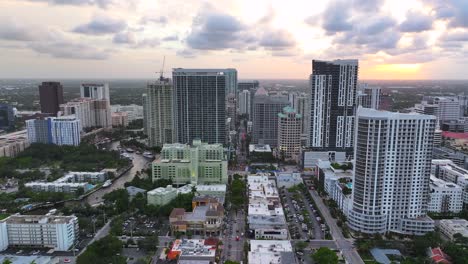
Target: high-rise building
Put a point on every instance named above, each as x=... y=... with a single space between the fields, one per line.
x=119 y=119
x=50 y=96
x=158 y=117
x=231 y=110
x=144 y=99
x=333 y=104
x=64 y=130
x=368 y=96
x=91 y=112
x=95 y=91
x=250 y=86
x=303 y=108
x=392 y=169
x=7 y=117
x=200 y=163
x=265 y=117
x=199 y=103
x=444 y=108
x=245 y=102
x=289 y=134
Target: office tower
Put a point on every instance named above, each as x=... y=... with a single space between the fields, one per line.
x=158 y=115
x=49 y=231
x=200 y=163
x=231 y=80
x=91 y=112
x=368 y=96
x=333 y=86
x=199 y=103
x=231 y=110
x=444 y=108
x=265 y=117
x=95 y=91
x=303 y=108
x=392 y=169
x=245 y=101
x=289 y=134
x=7 y=117
x=50 y=96
x=252 y=87
x=64 y=130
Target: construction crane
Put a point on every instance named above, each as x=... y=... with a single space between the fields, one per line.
x=161 y=77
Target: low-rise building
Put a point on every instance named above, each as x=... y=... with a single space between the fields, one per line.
x=70 y=183
x=13 y=143
x=205 y=219
x=271 y=252
x=310 y=158
x=337 y=183
x=265 y=213
x=164 y=195
x=133 y=191
x=447 y=170
x=200 y=163
x=57 y=232
x=288 y=179
x=450 y=227
x=215 y=190
x=194 y=251
x=444 y=197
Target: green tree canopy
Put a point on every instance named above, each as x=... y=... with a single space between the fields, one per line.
x=325 y=256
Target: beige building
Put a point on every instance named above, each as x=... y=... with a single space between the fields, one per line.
x=205 y=219
x=289 y=134
x=119 y=119
x=200 y=163
x=158 y=112
x=91 y=112
x=13 y=143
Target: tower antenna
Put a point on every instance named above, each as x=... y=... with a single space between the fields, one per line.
x=161 y=77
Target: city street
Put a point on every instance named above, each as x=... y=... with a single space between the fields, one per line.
x=345 y=246
x=235 y=227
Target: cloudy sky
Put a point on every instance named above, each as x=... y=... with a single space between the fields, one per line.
x=393 y=39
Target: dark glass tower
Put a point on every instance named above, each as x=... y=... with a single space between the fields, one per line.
x=51 y=96
x=333 y=105
x=199 y=105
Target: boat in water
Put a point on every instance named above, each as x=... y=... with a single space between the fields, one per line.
x=107 y=183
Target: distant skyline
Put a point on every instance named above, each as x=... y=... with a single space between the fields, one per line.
x=104 y=39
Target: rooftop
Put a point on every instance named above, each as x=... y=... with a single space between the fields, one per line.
x=39 y=219
x=372 y=113
x=211 y=188
x=259 y=148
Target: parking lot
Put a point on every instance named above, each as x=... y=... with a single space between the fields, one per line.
x=304 y=221
x=144 y=226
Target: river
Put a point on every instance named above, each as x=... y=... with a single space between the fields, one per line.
x=139 y=163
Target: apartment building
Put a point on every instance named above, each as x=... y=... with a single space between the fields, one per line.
x=56 y=232
x=199 y=163
x=445 y=197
